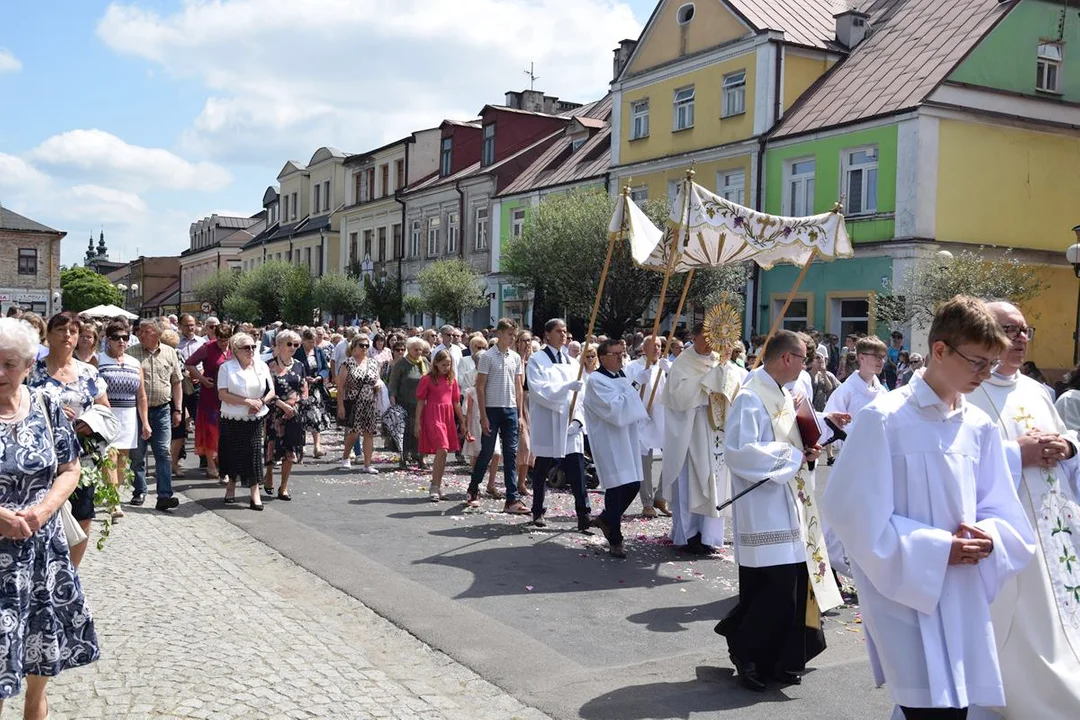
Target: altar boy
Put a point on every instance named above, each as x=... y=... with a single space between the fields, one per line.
x=923 y=501
x=613 y=410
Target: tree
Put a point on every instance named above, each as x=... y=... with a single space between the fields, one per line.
x=382 y=300
x=83 y=288
x=708 y=288
x=265 y=288
x=298 y=306
x=450 y=288
x=241 y=309
x=413 y=305
x=215 y=288
x=932 y=281
x=339 y=295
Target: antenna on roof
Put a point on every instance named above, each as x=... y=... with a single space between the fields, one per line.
x=533 y=77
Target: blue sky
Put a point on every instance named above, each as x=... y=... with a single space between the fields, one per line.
x=144 y=115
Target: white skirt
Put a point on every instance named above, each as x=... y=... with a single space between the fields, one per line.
x=128 y=437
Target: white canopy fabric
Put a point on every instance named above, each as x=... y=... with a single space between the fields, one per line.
x=109 y=311
x=640 y=231
x=713 y=231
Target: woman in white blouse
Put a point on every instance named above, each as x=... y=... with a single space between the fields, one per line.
x=245 y=387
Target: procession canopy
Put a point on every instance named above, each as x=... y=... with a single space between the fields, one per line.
x=709 y=231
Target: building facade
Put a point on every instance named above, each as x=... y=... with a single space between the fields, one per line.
x=215 y=244
x=29 y=264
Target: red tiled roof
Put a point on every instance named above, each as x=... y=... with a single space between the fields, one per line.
x=913 y=47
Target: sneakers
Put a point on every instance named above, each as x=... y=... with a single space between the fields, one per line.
x=138 y=499
x=168 y=503
x=539 y=521
x=345 y=464
x=116 y=512
x=369 y=470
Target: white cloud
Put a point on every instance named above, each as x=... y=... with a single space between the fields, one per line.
x=8 y=62
x=99 y=155
x=286 y=78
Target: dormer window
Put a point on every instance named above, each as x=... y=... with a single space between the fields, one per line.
x=577 y=142
x=445 y=155
x=487 y=154
x=1048 y=68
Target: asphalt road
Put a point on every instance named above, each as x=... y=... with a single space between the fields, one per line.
x=546 y=615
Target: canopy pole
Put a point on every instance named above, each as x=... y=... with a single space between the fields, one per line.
x=780 y=318
x=671 y=333
x=600 y=292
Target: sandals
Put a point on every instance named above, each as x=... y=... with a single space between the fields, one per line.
x=495 y=493
x=517 y=508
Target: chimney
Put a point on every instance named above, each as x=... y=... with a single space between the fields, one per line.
x=513 y=100
x=532 y=101
x=852 y=27
x=622 y=56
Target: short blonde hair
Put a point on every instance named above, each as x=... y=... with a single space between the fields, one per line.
x=283 y=336
x=238 y=339
x=171 y=338
x=477 y=344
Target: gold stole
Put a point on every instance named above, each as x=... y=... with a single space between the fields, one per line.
x=823 y=593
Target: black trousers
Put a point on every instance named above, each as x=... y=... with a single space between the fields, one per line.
x=934 y=713
x=616 y=500
x=574 y=467
x=768 y=626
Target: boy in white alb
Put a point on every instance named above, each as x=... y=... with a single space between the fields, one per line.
x=924 y=503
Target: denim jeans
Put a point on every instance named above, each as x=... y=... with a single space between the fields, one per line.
x=504 y=423
x=160 y=439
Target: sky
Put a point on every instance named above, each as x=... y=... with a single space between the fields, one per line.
x=140 y=117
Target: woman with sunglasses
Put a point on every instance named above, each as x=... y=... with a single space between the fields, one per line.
x=357 y=383
x=212 y=355
x=124 y=386
x=245 y=388
x=523 y=343
x=314 y=412
x=285 y=427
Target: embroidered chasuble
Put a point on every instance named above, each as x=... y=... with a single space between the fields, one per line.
x=781 y=410
x=1037 y=614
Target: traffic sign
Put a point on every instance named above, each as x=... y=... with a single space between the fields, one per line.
x=207 y=307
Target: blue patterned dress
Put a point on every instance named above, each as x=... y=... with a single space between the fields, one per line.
x=45 y=622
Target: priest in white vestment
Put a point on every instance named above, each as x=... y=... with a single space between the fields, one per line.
x=924 y=504
x=785 y=580
x=556 y=439
x=700 y=387
x=614 y=412
x=648 y=371
x=1037 y=615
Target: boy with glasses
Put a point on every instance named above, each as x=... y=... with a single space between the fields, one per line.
x=924 y=503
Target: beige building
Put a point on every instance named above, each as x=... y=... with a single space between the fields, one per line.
x=215 y=244
x=145 y=280
x=29 y=264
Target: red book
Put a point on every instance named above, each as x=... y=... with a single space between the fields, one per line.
x=806 y=419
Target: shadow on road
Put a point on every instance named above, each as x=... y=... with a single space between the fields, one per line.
x=713 y=689
x=678 y=619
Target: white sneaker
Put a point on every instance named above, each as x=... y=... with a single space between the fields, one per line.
x=346 y=464
x=117 y=513
x=371 y=470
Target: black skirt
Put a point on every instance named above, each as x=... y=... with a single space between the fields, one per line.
x=240 y=450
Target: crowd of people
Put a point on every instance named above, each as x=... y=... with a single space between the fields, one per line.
x=921 y=515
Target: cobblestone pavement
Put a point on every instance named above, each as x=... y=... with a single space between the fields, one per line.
x=196 y=619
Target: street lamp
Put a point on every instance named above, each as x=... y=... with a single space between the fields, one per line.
x=1073 y=256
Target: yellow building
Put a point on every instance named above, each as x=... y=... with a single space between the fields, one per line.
x=704 y=82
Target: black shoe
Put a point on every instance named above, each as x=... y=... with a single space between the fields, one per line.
x=202 y=462
x=137 y=499
x=617 y=551
x=830 y=462
x=584 y=523
x=748 y=674
x=167 y=503
x=539 y=521
x=598 y=522
x=230 y=501
x=253 y=506
x=785 y=677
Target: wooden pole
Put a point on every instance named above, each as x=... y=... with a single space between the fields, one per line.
x=599 y=295
x=780 y=318
x=671 y=333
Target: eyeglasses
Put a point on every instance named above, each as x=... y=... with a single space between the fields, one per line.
x=120 y=338
x=1014 y=331
x=289 y=344
x=977 y=366
x=364 y=345
x=245 y=347
x=801 y=357
x=872 y=355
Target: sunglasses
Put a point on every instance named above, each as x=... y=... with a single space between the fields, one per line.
x=289 y=344
x=120 y=338
x=245 y=347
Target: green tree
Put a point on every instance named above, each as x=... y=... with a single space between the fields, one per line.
x=241 y=309
x=339 y=295
x=265 y=288
x=414 y=305
x=450 y=288
x=932 y=281
x=382 y=299
x=298 y=306
x=83 y=288
x=215 y=288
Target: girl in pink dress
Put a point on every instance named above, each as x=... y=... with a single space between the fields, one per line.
x=438 y=403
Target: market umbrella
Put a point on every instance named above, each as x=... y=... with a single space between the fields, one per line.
x=109 y=311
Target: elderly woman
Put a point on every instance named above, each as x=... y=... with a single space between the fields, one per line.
x=523 y=344
x=212 y=355
x=380 y=351
x=47 y=627
x=89 y=339
x=315 y=366
x=245 y=388
x=358 y=382
x=284 y=427
x=124 y=386
x=404 y=380
x=77 y=386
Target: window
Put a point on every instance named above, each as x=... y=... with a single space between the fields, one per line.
x=399 y=174
x=433 y=237
x=735 y=94
x=487 y=154
x=27 y=261
x=639 y=119
x=684 y=109
x=358 y=187
x=316 y=197
x=576 y=143
x=517 y=222
x=640 y=194
x=370 y=195
x=799 y=198
x=326 y=196
x=860 y=180
x=294 y=206
x=444 y=157
x=307 y=257
x=481 y=228
x=286 y=201
x=367 y=243
x=732 y=186
x=453 y=222
x=854 y=314
x=797 y=317
x=1048 y=68
x=414 y=239
x=685 y=13
x=673 y=192
x=318 y=260
x=352 y=247
x=385 y=179
x=382 y=245
x=399 y=242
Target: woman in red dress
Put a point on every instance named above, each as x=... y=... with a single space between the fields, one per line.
x=212 y=354
x=438 y=403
